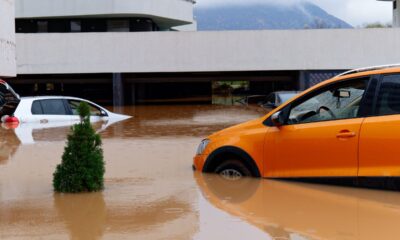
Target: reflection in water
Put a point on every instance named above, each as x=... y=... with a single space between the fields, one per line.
x=149 y=192
x=8 y=144
x=83 y=214
x=287 y=209
x=186 y=120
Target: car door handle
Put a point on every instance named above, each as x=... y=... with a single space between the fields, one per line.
x=346 y=134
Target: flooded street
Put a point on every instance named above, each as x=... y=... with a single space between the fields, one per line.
x=151 y=191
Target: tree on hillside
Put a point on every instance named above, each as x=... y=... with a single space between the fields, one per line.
x=377 y=25
x=317 y=23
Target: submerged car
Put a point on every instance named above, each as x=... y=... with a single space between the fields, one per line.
x=348 y=126
x=275 y=99
x=9 y=100
x=48 y=109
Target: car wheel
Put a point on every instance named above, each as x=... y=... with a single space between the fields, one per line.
x=233 y=169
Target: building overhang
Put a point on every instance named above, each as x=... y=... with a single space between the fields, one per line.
x=166 y=13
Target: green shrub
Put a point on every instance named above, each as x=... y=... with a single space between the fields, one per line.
x=82 y=166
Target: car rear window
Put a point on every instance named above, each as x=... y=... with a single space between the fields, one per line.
x=37 y=108
x=49 y=107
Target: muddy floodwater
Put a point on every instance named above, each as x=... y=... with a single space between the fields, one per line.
x=151 y=191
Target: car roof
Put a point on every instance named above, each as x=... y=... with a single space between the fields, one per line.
x=287 y=92
x=369 y=71
x=32 y=98
x=356 y=73
x=51 y=97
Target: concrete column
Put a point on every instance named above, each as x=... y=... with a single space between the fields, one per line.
x=7 y=39
x=396 y=13
x=304 y=80
x=118 y=90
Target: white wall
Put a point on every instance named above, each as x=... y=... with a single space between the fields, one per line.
x=7 y=38
x=206 y=51
x=177 y=11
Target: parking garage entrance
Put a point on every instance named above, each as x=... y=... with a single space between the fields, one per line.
x=158 y=88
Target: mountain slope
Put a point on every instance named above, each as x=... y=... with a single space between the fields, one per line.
x=265 y=16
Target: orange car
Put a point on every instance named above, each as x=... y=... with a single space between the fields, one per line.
x=348 y=126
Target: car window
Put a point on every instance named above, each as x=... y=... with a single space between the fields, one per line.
x=338 y=101
x=36 y=108
x=388 y=102
x=53 y=107
x=74 y=104
x=284 y=97
x=271 y=98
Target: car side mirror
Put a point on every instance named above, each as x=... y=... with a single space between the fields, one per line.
x=103 y=113
x=277 y=119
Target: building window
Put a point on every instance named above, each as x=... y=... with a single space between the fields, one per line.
x=58 y=25
x=94 y=25
x=25 y=26
x=65 y=25
x=118 y=25
x=141 y=25
x=76 y=26
x=42 y=26
x=395 y=4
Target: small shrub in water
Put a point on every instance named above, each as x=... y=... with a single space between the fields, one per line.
x=82 y=166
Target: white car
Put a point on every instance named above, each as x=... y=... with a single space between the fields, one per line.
x=49 y=109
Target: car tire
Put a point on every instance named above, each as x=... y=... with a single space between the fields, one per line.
x=233 y=169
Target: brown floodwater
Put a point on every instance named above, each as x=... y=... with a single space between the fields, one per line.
x=152 y=193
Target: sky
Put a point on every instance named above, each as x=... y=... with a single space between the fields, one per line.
x=355 y=12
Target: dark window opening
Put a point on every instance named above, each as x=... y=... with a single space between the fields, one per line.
x=26 y=26
x=85 y=25
x=94 y=25
x=76 y=26
x=58 y=25
x=42 y=26
x=118 y=25
x=142 y=25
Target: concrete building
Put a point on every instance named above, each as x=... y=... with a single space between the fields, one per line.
x=112 y=52
x=396 y=12
x=7 y=39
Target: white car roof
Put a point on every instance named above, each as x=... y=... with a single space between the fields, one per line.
x=52 y=97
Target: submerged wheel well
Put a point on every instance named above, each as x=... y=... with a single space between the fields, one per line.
x=228 y=153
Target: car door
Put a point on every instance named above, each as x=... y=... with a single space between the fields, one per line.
x=380 y=133
x=320 y=134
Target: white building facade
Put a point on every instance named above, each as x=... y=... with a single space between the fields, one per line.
x=129 y=51
x=7 y=39
x=42 y=16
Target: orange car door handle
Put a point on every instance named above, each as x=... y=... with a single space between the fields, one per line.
x=346 y=135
